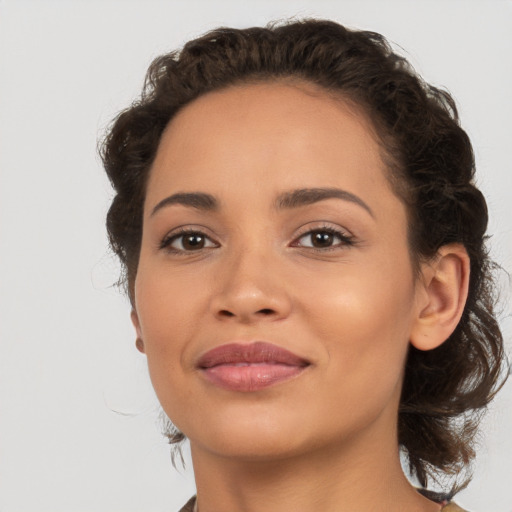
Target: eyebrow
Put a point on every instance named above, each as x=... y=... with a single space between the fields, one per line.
x=287 y=200
x=306 y=196
x=197 y=200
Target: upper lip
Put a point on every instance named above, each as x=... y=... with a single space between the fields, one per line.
x=255 y=352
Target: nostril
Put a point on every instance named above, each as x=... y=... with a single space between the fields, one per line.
x=226 y=313
x=266 y=311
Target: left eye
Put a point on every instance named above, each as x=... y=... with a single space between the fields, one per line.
x=323 y=239
x=191 y=241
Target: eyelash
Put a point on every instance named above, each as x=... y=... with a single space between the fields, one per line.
x=345 y=240
x=169 y=239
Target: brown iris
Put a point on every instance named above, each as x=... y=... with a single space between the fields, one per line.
x=322 y=239
x=193 y=241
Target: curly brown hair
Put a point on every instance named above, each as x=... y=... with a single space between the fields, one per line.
x=431 y=168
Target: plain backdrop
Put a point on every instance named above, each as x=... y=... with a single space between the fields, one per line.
x=79 y=427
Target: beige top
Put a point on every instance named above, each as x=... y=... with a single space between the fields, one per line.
x=452 y=507
x=191 y=507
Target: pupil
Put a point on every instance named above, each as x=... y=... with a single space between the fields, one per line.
x=322 y=239
x=193 y=242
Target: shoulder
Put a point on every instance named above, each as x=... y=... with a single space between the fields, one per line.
x=189 y=506
x=452 y=507
x=442 y=499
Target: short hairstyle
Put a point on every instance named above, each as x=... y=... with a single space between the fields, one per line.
x=431 y=169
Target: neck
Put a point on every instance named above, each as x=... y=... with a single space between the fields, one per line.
x=364 y=475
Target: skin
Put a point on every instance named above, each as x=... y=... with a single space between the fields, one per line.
x=327 y=436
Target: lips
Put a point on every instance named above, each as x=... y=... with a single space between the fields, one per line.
x=250 y=367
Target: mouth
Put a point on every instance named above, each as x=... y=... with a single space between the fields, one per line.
x=250 y=367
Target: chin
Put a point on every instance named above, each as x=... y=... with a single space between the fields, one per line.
x=255 y=436
x=254 y=446
x=266 y=438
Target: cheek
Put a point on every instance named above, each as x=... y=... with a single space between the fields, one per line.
x=365 y=332
x=166 y=326
x=168 y=302
x=365 y=319
x=170 y=309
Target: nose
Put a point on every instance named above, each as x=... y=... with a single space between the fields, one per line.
x=251 y=289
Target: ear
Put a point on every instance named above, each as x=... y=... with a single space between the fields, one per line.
x=139 y=343
x=441 y=298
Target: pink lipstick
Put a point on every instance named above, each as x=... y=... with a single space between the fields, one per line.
x=250 y=367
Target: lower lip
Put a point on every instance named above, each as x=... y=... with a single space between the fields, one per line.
x=251 y=377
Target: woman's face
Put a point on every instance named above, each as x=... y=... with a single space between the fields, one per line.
x=269 y=218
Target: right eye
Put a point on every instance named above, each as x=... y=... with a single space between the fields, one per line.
x=187 y=241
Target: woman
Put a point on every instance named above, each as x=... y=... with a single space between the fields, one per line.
x=304 y=253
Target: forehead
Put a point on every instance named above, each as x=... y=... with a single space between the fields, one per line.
x=283 y=135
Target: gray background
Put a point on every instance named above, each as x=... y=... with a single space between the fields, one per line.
x=78 y=418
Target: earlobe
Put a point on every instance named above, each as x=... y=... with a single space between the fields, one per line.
x=139 y=343
x=444 y=291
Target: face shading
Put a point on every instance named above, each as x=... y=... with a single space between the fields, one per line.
x=274 y=293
